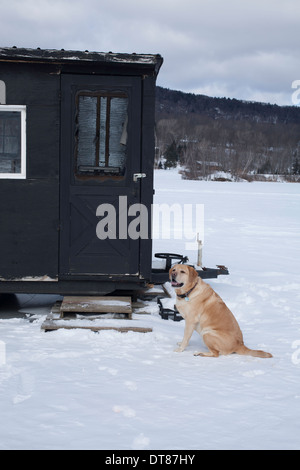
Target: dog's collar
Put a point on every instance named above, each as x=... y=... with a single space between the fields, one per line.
x=186 y=295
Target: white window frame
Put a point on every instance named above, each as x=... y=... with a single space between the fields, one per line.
x=22 y=173
x=2 y=92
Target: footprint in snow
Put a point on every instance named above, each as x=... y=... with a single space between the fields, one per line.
x=125 y=410
x=140 y=442
x=253 y=373
x=130 y=385
x=109 y=370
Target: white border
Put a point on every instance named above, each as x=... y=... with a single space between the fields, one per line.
x=22 y=110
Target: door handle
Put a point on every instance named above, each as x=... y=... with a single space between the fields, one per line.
x=137 y=176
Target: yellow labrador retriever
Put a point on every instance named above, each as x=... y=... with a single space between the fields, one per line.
x=205 y=312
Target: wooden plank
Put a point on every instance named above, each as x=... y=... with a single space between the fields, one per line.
x=151 y=291
x=51 y=325
x=142 y=308
x=92 y=304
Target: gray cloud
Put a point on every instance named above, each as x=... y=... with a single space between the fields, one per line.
x=239 y=49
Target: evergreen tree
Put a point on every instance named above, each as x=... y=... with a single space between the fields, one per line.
x=171 y=156
x=296 y=167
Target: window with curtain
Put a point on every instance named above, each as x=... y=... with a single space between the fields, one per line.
x=101 y=133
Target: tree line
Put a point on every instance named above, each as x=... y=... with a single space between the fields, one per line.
x=247 y=140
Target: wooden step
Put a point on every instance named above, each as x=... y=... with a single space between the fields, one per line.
x=93 y=313
x=96 y=305
x=50 y=324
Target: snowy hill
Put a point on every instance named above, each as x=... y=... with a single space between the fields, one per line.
x=243 y=138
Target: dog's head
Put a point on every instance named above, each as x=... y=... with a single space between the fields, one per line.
x=182 y=276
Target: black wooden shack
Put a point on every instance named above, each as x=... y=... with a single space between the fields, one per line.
x=76 y=138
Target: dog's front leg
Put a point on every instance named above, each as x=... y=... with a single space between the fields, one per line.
x=188 y=331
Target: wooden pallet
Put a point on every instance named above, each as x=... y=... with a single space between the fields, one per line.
x=90 y=312
x=96 y=305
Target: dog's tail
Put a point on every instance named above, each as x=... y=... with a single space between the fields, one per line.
x=244 y=351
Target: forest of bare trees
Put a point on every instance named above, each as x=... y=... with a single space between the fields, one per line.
x=243 y=143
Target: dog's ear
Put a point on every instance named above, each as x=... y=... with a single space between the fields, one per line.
x=193 y=275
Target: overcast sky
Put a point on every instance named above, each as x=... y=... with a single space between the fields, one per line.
x=245 y=49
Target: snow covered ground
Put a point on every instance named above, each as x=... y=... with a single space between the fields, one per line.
x=75 y=389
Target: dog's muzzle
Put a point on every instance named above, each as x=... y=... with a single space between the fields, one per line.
x=174 y=283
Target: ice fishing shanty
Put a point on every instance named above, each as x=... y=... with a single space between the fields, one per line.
x=76 y=133
x=76 y=130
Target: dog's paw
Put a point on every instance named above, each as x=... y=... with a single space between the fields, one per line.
x=207 y=354
x=178 y=350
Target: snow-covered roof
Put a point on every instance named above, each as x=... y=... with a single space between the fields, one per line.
x=61 y=56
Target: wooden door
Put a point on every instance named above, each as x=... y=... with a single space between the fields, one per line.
x=100 y=154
